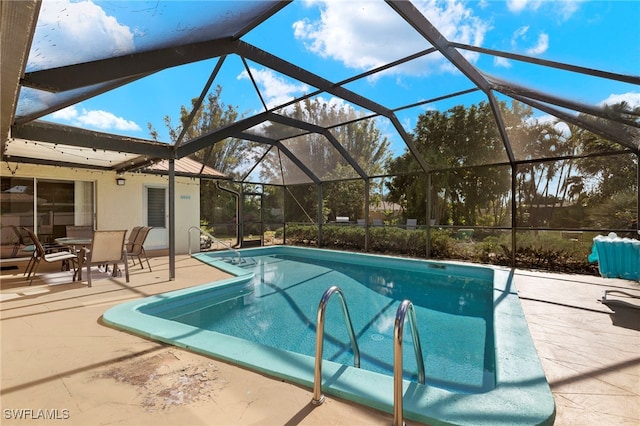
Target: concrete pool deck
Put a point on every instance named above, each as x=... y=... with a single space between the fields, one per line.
x=59 y=360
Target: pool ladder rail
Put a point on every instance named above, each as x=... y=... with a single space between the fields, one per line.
x=405 y=308
x=217 y=240
x=318 y=397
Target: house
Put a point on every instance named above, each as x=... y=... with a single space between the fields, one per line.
x=48 y=198
x=385 y=210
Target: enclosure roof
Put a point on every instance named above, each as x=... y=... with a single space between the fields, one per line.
x=185 y=167
x=68 y=54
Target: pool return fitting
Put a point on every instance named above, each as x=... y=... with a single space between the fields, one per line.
x=406 y=307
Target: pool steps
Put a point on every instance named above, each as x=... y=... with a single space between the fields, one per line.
x=406 y=307
x=217 y=240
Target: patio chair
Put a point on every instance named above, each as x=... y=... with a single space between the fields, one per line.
x=378 y=222
x=136 y=248
x=412 y=224
x=107 y=248
x=23 y=242
x=30 y=247
x=132 y=237
x=41 y=254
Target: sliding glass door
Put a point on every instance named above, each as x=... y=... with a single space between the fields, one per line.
x=46 y=205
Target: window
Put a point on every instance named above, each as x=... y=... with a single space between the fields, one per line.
x=156 y=207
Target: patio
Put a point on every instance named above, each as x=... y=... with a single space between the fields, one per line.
x=58 y=358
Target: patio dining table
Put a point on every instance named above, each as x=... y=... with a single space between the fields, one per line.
x=74 y=241
x=77 y=244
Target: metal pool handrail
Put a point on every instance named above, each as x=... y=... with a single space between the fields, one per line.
x=318 y=397
x=405 y=306
x=217 y=240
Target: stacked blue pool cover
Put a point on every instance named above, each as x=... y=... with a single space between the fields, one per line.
x=617 y=257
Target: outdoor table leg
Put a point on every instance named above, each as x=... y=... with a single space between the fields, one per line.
x=81 y=257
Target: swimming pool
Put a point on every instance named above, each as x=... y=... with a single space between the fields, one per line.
x=481 y=366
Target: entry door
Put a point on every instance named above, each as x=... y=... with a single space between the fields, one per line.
x=157 y=216
x=252 y=220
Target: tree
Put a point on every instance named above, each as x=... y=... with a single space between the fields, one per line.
x=223 y=156
x=612 y=179
x=453 y=143
x=360 y=138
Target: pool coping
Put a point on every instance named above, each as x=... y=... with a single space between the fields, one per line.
x=521 y=394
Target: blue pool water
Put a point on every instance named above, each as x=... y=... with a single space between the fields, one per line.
x=277 y=308
x=480 y=363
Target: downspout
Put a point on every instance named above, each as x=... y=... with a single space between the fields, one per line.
x=237 y=197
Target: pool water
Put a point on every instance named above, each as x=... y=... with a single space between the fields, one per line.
x=480 y=363
x=278 y=309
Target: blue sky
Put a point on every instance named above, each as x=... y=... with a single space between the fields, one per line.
x=340 y=39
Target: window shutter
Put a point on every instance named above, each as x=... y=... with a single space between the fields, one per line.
x=156 y=207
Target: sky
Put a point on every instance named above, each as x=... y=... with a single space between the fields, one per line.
x=337 y=40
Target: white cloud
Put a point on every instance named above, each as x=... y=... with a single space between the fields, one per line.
x=541 y=46
x=106 y=120
x=501 y=62
x=64 y=28
x=521 y=36
x=518 y=6
x=562 y=128
x=363 y=35
x=275 y=89
x=96 y=119
x=561 y=9
x=66 y=114
x=558 y=124
x=631 y=98
x=567 y=8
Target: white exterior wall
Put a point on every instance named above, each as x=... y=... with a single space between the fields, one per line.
x=123 y=207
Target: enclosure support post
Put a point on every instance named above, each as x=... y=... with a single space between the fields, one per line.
x=172 y=220
x=240 y=218
x=320 y=220
x=429 y=205
x=284 y=215
x=514 y=222
x=366 y=214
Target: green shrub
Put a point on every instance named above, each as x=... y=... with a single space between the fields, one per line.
x=535 y=250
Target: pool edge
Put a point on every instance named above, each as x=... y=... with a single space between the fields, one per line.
x=514 y=397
